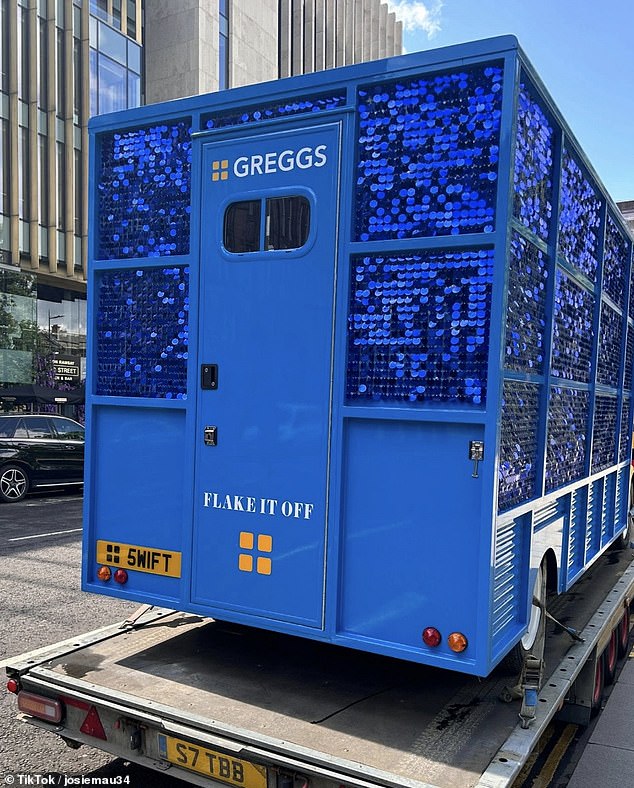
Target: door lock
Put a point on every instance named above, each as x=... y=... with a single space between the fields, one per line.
x=476 y=455
x=211 y=436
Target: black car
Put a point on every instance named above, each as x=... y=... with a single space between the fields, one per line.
x=39 y=451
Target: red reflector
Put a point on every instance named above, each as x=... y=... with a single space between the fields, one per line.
x=92 y=725
x=121 y=576
x=431 y=636
x=13 y=686
x=40 y=707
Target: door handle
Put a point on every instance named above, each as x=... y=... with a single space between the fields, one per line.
x=211 y=436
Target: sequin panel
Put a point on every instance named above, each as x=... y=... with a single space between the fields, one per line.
x=579 y=220
x=142 y=330
x=610 y=334
x=573 y=330
x=526 y=307
x=428 y=155
x=615 y=263
x=566 y=442
x=418 y=327
x=629 y=359
x=625 y=442
x=533 y=170
x=278 y=109
x=518 y=444
x=144 y=194
x=604 y=433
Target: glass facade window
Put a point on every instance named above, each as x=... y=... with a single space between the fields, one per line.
x=4 y=167
x=77 y=73
x=131 y=5
x=42 y=82
x=18 y=327
x=223 y=64
x=4 y=46
x=79 y=197
x=24 y=174
x=112 y=85
x=43 y=156
x=61 y=315
x=23 y=54
x=61 y=185
x=61 y=72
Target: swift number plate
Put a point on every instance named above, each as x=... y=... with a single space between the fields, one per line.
x=218 y=765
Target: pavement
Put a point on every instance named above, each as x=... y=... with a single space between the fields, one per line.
x=608 y=759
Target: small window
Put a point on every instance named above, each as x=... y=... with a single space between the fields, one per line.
x=242 y=226
x=38 y=427
x=67 y=429
x=7 y=427
x=287 y=222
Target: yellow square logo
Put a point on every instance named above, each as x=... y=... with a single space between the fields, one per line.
x=220 y=170
x=247 y=561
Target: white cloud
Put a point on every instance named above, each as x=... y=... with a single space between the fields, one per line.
x=418 y=15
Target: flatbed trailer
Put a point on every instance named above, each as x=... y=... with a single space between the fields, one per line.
x=224 y=704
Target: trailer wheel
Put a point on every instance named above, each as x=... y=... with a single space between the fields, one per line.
x=597 y=689
x=610 y=658
x=623 y=630
x=534 y=639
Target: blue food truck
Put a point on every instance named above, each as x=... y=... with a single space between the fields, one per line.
x=360 y=357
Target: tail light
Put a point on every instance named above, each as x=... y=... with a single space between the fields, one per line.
x=121 y=576
x=13 y=686
x=431 y=637
x=40 y=707
x=104 y=573
x=457 y=642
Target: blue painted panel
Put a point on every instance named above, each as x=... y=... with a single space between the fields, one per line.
x=260 y=502
x=396 y=528
x=418 y=327
x=428 y=154
x=142 y=333
x=152 y=512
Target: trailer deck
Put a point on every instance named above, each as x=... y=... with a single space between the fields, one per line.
x=279 y=700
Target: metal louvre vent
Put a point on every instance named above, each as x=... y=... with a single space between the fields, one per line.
x=506 y=585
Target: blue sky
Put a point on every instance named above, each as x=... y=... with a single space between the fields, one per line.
x=583 y=51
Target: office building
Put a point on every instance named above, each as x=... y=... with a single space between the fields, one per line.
x=62 y=61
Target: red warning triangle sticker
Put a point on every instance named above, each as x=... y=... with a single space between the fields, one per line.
x=92 y=725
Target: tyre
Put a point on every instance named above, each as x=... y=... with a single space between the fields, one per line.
x=597 y=690
x=610 y=658
x=14 y=483
x=623 y=631
x=534 y=639
x=623 y=541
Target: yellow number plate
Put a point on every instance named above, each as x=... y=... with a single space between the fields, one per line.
x=218 y=765
x=141 y=559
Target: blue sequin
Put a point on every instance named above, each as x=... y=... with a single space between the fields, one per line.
x=566 y=443
x=604 y=433
x=418 y=327
x=144 y=193
x=579 y=219
x=615 y=262
x=533 y=168
x=610 y=334
x=428 y=155
x=275 y=109
x=142 y=333
x=625 y=443
x=629 y=358
x=517 y=469
x=573 y=330
x=526 y=307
